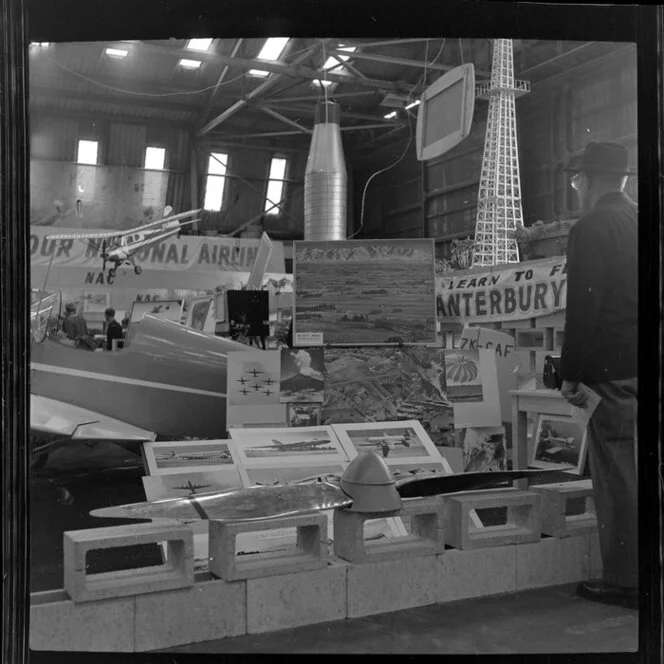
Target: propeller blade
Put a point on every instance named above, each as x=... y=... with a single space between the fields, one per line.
x=434 y=485
x=260 y=502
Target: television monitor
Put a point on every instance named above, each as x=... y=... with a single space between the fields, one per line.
x=445 y=112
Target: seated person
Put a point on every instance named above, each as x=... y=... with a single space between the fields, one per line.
x=113 y=328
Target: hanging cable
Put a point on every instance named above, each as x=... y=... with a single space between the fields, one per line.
x=143 y=94
x=461 y=50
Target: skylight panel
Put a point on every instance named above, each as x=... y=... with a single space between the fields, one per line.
x=116 y=52
x=332 y=62
x=199 y=44
x=189 y=64
x=272 y=50
x=321 y=82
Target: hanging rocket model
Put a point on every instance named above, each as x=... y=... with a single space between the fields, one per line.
x=325 y=179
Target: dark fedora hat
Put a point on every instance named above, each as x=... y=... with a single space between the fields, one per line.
x=601 y=158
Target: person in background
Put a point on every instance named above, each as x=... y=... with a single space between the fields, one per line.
x=76 y=329
x=600 y=351
x=113 y=328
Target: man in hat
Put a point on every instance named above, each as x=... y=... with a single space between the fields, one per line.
x=600 y=351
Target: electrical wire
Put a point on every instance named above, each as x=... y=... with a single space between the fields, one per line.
x=143 y=94
x=410 y=116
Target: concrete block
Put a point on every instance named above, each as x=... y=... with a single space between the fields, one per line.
x=209 y=610
x=290 y=600
x=57 y=623
x=177 y=572
x=310 y=552
x=553 y=508
x=551 y=561
x=391 y=585
x=522 y=525
x=424 y=517
x=475 y=573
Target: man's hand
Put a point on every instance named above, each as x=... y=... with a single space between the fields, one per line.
x=574 y=393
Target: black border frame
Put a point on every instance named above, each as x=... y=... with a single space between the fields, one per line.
x=22 y=21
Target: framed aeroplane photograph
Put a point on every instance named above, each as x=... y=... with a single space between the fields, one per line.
x=185 y=484
x=302 y=445
x=168 y=309
x=422 y=469
x=394 y=442
x=560 y=442
x=96 y=303
x=170 y=457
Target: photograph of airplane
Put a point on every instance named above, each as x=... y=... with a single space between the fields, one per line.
x=192 y=488
x=255 y=445
x=120 y=247
x=169 y=457
x=269 y=381
x=242 y=380
x=267 y=393
x=394 y=441
x=255 y=373
x=197 y=482
x=560 y=442
x=245 y=392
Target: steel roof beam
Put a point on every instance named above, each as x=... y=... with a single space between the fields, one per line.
x=284 y=119
x=293 y=133
x=213 y=94
x=345 y=114
x=256 y=92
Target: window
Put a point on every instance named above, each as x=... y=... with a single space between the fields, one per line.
x=216 y=181
x=155 y=158
x=87 y=152
x=272 y=50
x=275 y=185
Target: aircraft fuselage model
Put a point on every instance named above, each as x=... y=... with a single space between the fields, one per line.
x=120 y=247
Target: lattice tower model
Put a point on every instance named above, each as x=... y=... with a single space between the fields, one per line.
x=499 y=211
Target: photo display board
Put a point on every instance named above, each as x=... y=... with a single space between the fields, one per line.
x=364 y=292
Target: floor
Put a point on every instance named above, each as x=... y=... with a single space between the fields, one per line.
x=542 y=621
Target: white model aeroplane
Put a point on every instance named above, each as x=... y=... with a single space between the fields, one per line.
x=120 y=247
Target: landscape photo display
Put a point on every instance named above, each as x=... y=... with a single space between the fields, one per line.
x=366 y=291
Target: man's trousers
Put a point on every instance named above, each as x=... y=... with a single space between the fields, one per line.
x=612 y=452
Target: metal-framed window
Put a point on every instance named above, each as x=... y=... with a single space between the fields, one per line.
x=275 y=185
x=215 y=182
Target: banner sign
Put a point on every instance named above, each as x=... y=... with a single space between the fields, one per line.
x=189 y=252
x=526 y=290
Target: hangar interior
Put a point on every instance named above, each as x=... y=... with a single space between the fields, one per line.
x=121 y=130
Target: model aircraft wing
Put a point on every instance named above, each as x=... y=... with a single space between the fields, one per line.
x=173 y=217
x=87 y=236
x=61 y=419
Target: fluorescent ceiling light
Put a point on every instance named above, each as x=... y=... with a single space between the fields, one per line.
x=189 y=64
x=116 y=52
x=391 y=115
x=258 y=72
x=320 y=82
x=273 y=48
x=41 y=44
x=415 y=103
x=199 y=44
